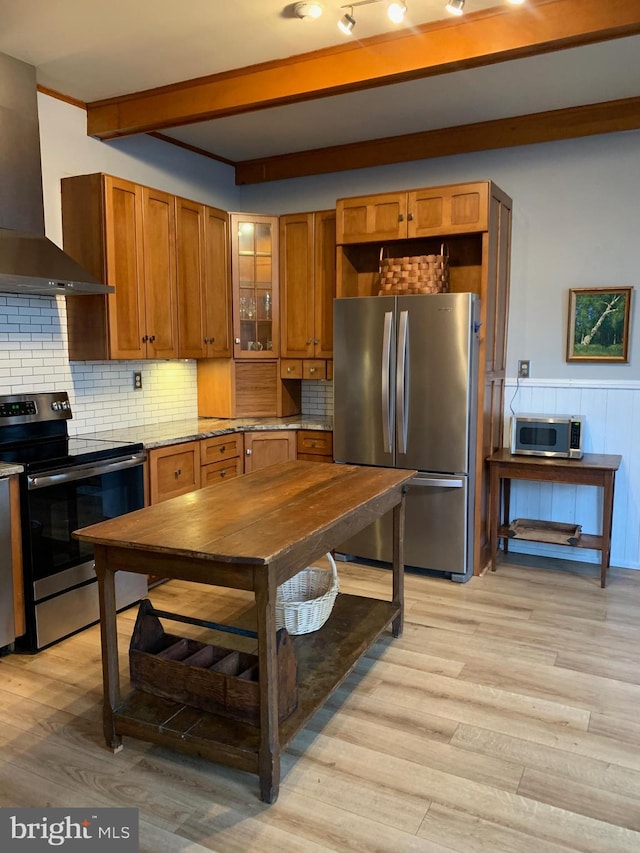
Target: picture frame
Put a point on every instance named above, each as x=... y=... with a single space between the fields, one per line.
x=598 y=324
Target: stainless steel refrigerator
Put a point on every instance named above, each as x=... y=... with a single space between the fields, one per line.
x=405 y=396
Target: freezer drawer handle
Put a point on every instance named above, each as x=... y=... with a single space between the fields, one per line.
x=387 y=399
x=440 y=484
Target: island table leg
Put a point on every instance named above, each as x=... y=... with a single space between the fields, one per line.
x=109 y=641
x=269 y=753
x=398 y=564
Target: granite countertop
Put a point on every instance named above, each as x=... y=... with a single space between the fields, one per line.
x=175 y=432
x=8 y=468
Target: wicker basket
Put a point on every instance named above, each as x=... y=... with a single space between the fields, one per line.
x=305 y=601
x=415 y=274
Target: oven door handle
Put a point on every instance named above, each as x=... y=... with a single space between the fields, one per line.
x=83 y=472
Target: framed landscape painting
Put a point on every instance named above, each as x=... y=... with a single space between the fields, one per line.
x=599 y=324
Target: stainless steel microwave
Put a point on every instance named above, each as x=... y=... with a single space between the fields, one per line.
x=548 y=435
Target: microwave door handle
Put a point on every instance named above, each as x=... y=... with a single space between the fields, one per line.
x=387 y=405
x=402 y=383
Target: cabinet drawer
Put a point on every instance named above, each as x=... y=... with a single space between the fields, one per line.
x=315 y=442
x=291 y=368
x=221 y=447
x=218 y=471
x=174 y=470
x=314 y=368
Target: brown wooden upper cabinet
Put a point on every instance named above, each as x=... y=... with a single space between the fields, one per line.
x=124 y=234
x=255 y=288
x=452 y=209
x=204 y=283
x=307 y=284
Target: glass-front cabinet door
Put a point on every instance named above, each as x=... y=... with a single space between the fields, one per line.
x=254 y=250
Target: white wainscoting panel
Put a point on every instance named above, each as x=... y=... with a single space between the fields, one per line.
x=612 y=412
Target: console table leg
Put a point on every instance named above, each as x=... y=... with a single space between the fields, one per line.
x=607 y=519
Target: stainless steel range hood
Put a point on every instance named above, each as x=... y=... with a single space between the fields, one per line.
x=29 y=262
x=34 y=265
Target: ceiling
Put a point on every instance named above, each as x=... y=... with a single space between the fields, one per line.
x=279 y=97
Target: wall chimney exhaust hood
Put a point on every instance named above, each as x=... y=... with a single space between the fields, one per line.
x=35 y=266
x=30 y=263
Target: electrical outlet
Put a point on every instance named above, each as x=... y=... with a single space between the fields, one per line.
x=137 y=380
x=524 y=371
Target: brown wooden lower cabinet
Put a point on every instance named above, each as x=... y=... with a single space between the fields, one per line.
x=221 y=458
x=266 y=447
x=315 y=445
x=173 y=470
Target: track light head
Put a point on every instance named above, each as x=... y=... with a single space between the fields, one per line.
x=308 y=11
x=396 y=11
x=347 y=22
x=455 y=7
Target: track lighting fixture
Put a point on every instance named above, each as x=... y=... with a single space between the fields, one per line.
x=347 y=22
x=455 y=7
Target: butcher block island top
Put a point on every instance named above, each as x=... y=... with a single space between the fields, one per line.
x=251 y=533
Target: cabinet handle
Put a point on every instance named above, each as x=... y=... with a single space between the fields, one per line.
x=237 y=340
x=178 y=473
x=400 y=218
x=410 y=217
x=248 y=451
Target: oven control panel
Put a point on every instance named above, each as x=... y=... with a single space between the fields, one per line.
x=17 y=408
x=26 y=408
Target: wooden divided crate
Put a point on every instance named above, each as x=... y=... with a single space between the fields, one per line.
x=211 y=678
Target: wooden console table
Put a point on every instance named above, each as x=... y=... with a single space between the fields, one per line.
x=593 y=469
x=252 y=533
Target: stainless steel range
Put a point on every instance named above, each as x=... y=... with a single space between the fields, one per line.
x=68 y=482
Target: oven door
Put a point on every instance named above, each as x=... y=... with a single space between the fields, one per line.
x=60 y=579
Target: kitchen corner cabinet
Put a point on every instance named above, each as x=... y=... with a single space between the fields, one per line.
x=474 y=222
x=307 y=288
x=203 y=281
x=266 y=447
x=124 y=234
x=255 y=291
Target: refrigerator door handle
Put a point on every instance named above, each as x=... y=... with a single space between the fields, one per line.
x=387 y=401
x=402 y=383
x=436 y=482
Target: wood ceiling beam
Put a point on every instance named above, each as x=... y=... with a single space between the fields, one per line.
x=569 y=123
x=479 y=39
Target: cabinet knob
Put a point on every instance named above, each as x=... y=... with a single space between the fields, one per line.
x=289 y=369
x=145 y=338
x=316 y=341
x=206 y=340
x=400 y=218
x=237 y=340
x=223 y=473
x=223 y=448
x=248 y=451
x=178 y=473
x=312 y=370
x=308 y=341
x=152 y=339
x=410 y=217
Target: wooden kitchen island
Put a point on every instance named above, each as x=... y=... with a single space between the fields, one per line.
x=251 y=533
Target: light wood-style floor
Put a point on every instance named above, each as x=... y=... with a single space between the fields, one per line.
x=507 y=718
